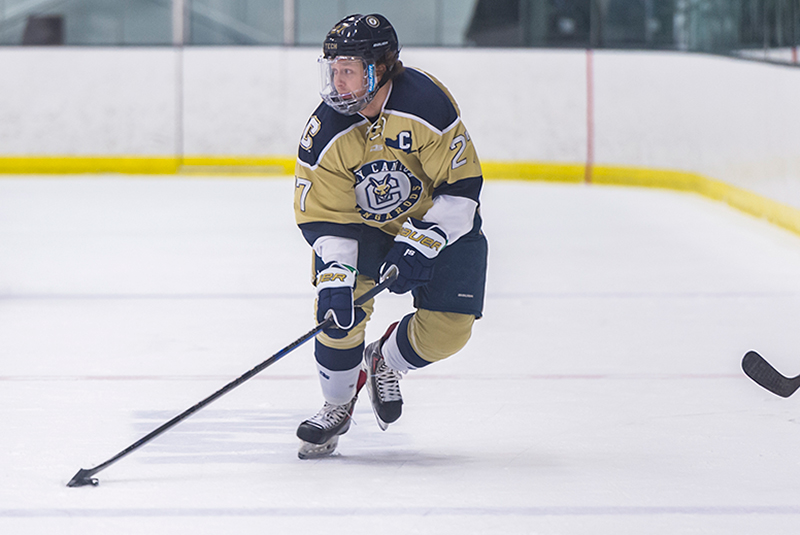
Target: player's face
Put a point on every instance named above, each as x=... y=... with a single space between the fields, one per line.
x=348 y=83
x=348 y=76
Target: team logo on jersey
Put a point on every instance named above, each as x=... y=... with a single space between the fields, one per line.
x=403 y=141
x=386 y=190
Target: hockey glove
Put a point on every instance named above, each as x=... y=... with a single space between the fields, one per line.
x=335 y=286
x=414 y=253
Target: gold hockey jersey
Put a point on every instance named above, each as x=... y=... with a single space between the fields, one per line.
x=352 y=172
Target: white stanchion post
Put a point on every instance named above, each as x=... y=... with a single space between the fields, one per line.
x=288 y=22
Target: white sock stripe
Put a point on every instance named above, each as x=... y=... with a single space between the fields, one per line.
x=338 y=387
x=392 y=355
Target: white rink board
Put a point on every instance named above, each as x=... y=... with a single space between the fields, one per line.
x=726 y=119
x=88 y=101
x=601 y=393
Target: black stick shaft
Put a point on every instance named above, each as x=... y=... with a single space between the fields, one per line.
x=83 y=477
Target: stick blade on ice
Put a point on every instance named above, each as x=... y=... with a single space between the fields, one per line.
x=762 y=372
x=83 y=478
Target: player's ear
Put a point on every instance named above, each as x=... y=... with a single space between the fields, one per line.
x=380 y=70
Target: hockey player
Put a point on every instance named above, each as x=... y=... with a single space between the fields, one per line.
x=386 y=176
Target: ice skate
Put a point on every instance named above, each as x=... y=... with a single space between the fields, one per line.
x=320 y=433
x=383 y=383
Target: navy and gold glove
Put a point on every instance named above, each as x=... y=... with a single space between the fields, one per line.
x=335 y=285
x=414 y=253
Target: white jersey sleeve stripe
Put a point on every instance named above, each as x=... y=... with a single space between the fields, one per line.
x=454 y=215
x=337 y=249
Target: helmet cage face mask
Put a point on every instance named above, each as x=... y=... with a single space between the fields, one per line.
x=356 y=77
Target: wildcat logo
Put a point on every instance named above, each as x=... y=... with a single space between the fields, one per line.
x=386 y=190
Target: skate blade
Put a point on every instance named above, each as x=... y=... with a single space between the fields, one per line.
x=383 y=425
x=372 y=394
x=315 y=451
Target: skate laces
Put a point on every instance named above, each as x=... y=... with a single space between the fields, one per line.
x=388 y=382
x=330 y=415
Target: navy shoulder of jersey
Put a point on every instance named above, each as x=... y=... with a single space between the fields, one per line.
x=330 y=124
x=466 y=187
x=416 y=94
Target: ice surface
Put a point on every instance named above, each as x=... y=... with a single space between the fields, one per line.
x=601 y=393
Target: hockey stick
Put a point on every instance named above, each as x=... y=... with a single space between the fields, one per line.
x=762 y=372
x=84 y=476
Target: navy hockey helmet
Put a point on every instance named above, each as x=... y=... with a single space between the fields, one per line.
x=354 y=47
x=370 y=37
